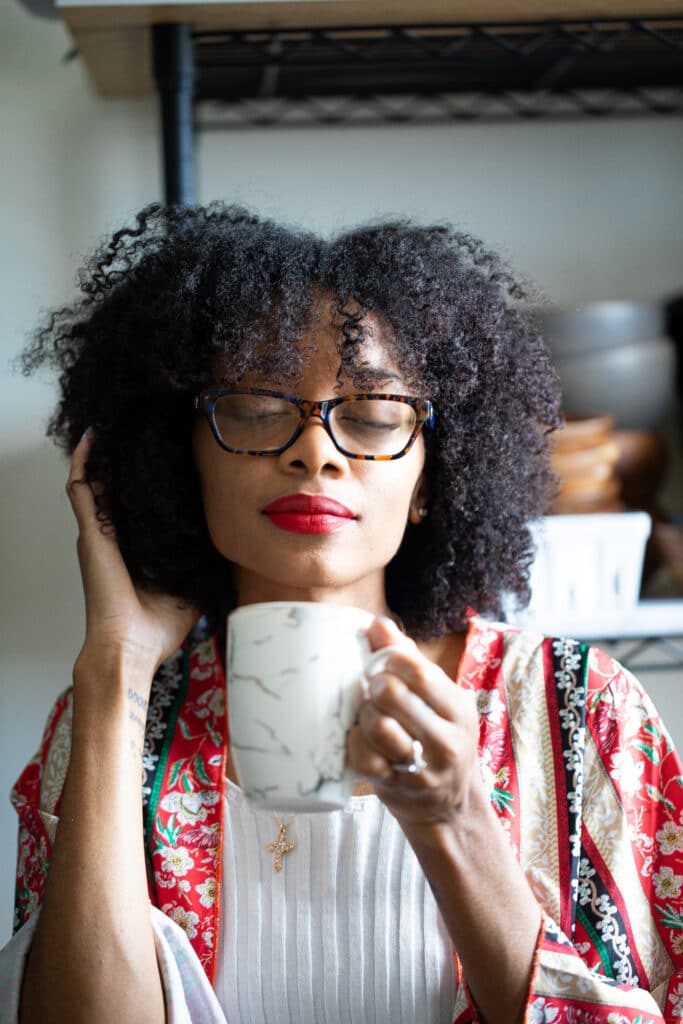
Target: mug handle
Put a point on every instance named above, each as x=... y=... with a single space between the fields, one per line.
x=374 y=664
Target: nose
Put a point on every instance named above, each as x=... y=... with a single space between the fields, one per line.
x=314 y=450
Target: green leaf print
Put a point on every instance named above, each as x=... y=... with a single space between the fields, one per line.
x=201 y=770
x=175 y=771
x=654 y=794
x=670 y=917
x=649 y=752
x=502 y=798
x=184 y=728
x=653 y=730
x=170 y=824
x=167 y=830
x=185 y=779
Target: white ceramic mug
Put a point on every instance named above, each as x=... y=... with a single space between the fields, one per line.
x=296 y=673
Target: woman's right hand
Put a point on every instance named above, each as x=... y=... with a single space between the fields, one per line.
x=123 y=622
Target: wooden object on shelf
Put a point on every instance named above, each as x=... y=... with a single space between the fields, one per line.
x=114 y=39
x=584 y=457
x=668 y=540
x=641 y=467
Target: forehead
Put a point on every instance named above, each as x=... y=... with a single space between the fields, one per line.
x=346 y=346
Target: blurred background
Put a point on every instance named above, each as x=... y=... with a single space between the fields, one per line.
x=590 y=207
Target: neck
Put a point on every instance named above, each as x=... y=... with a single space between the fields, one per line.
x=367 y=593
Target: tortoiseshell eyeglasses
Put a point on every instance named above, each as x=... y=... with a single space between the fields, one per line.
x=374 y=427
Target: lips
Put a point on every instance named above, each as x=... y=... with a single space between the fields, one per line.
x=308 y=513
x=309 y=504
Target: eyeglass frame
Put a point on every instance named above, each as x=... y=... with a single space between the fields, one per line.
x=206 y=400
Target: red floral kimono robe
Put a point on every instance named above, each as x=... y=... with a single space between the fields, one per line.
x=581 y=772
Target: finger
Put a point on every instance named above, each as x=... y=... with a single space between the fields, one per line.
x=411 y=670
x=439 y=735
x=364 y=759
x=383 y=632
x=384 y=735
x=390 y=696
x=78 y=487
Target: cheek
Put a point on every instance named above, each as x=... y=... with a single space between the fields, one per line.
x=396 y=483
x=388 y=506
x=219 y=484
x=224 y=513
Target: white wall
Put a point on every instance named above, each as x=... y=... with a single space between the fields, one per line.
x=592 y=209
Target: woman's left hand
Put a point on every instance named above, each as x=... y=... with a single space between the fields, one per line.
x=412 y=698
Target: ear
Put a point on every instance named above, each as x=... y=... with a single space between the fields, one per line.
x=419 y=502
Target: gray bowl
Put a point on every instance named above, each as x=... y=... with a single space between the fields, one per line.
x=615 y=358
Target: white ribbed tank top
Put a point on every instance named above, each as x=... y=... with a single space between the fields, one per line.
x=347 y=933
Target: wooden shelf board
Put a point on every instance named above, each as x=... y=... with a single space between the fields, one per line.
x=114 y=39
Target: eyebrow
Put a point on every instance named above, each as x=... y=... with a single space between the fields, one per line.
x=380 y=373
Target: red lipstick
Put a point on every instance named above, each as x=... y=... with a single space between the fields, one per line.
x=308 y=513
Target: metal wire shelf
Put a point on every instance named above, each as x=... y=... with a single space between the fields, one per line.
x=437 y=73
x=665 y=654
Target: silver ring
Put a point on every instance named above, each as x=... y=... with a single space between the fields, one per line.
x=416 y=763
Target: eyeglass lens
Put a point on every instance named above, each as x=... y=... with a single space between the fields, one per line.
x=376 y=426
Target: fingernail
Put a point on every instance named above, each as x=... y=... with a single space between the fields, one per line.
x=86 y=433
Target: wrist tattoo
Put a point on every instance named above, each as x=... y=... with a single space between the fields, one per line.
x=136 y=751
x=140 y=705
x=137 y=699
x=136 y=718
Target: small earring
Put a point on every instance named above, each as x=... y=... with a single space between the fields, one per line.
x=421 y=513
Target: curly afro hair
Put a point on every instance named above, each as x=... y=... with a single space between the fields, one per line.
x=185 y=287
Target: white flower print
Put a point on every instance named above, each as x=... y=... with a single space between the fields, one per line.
x=32 y=905
x=676 y=1001
x=205 y=653
x=189 y=807
x=207 y=890
x=177 y=861
x=539 y=1013
x=667 y=884
x=215 y=700
x=670 y=837
x=187 y=919
x=627 y=772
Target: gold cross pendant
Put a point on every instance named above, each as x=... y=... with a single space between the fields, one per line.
x=280 y=847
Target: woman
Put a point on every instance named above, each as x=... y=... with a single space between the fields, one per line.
x=203 y=354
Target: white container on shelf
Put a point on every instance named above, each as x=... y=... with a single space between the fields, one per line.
x=585 y=579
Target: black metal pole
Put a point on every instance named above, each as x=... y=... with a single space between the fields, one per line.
x=173 y=59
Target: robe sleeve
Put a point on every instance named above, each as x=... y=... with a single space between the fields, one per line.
x=36 y=797
x=188 y=995
x=622 y=960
